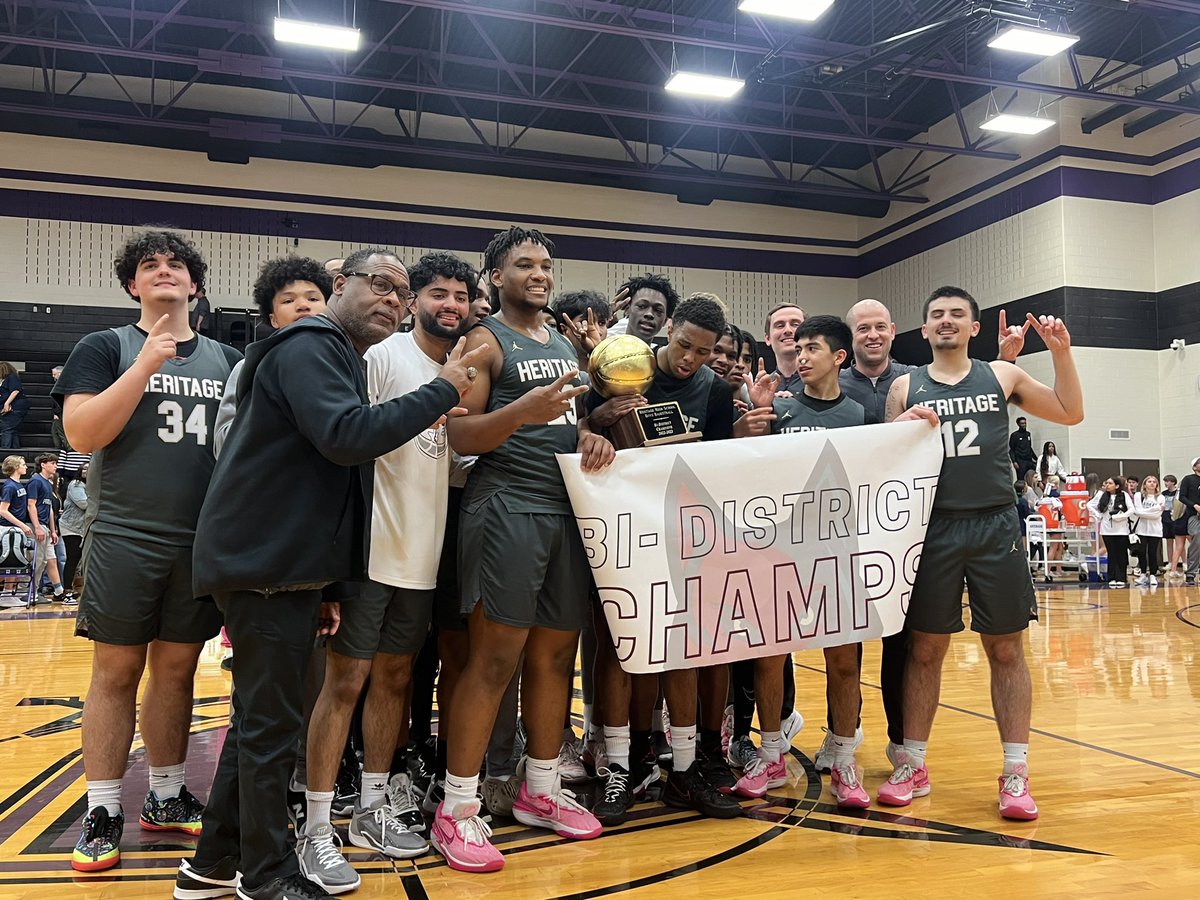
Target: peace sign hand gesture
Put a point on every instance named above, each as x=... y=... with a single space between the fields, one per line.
x=1053 y=332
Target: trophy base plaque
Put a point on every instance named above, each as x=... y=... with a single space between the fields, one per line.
x=653 y=425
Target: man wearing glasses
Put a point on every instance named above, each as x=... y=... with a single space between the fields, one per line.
x=385 y=627
x=306 y=427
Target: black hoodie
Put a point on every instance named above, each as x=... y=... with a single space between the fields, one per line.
x=290 y=499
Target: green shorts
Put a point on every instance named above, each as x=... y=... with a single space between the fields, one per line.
x=528 y=569
x=383 y=619
x=136 y=591
x=984 y=549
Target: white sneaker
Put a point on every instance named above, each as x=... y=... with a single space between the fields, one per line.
x=893 y=750
x=1142 y=580
x=570 y=763
x=1153 y=581
x=790 y=727
x=824 y=758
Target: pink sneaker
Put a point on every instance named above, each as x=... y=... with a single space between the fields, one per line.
x=844 y=783
x=760 y=776
x=462 y=837
x=726 y=729
x=1015 y=800
x=225 y=641
x=905 y=783
x=561 y=813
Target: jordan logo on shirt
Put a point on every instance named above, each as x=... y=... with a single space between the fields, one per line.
x=786 y=415
x=515 y=347
x=921 y=389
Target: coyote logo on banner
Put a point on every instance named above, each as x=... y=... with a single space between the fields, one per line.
x=709 y=553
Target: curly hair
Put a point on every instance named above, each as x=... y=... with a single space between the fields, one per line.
x=150 y=242
x=276 y=274
x=443 y=265
x=498 y=249
x=701 y=312
x=659 y=283
x=577 y=303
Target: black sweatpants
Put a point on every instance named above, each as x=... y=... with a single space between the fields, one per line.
x=741 y=690
x=246 y=816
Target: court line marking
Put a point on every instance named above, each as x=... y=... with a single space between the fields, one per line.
x=1043 y=733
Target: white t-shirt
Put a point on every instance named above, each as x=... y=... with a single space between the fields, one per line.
x=408 y=520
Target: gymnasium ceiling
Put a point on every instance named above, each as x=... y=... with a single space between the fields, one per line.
x=572 y=90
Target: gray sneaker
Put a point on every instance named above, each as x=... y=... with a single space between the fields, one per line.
x=499 y=795
x=321 y=860
x=377 y=829
x=402 y=798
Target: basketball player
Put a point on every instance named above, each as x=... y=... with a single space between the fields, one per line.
x=142 y=399
x=307 y=432
x=974 y=534
x=523 y=569
x=822 y=344
x=706 y=401
x=651 y=302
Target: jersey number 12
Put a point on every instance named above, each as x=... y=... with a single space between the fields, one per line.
x=174 y=426
x=965 y=445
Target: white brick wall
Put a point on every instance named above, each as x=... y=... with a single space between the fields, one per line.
x=1176 y=224
x=1179 y=396
x=1108 y=245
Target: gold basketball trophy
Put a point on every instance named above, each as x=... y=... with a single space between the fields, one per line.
x=622 y=365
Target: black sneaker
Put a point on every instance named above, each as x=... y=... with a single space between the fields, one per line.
x=297 y=808
x=183 y=813
x=716 y=770
x=612 y=807
x=691 y=790
x=345 y=789
x=195 y=884
x=99 y=844
x=420 y=771
x=289 y=887
x=227 y=664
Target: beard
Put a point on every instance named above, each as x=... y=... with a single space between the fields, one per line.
x=432 y=327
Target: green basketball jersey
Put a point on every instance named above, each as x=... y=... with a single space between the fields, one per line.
x=151 y=480
x=805 y=414
x=976 y=474
x=523 y=470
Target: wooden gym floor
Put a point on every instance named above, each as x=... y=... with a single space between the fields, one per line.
x=1115 y=761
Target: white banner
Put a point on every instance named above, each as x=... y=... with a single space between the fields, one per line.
x=714 y=552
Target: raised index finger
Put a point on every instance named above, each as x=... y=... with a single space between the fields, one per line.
x=1003 y=321
x=160 y=326
x=564 y=379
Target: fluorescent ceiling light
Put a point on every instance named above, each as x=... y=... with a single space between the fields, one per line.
x=801 y=10
x=335 y=37
x=1038 y=41
x=701 y=85
x=1011 y=124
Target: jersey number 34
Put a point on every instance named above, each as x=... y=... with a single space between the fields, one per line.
x=175 y=427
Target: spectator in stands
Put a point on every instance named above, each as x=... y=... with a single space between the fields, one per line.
x=1148 y=509
x=1189 y=493
x=1036 y=488
x=1051 y=503
x=71 y=526
x=1175 y=539
x=1020 y=448
x=1049 y=463
x=202 y=314
x=45 y=525
x=1024 y=511
x=1133 y=484
x=15 y=510
x=15 y=406
x=1113 y=508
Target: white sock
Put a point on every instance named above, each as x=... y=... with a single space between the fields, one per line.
x=773 y=746
x=106 y=794
x=374 y=789
x=843 y=749
x=166 y=781
x=683 y=746
x=915 y=751
x=318 y=805
x=616 y=742
x=462 y=789
x=1014 y=755
x=587 y=720
x=541 y=776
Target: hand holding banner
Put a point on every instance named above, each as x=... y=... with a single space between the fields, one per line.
x=714 y=552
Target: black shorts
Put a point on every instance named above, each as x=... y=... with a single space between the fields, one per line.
x=383 y=619
x=529 y=569
x=447 y=596
x=135 y=592
x=985 y=550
